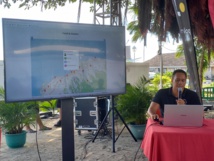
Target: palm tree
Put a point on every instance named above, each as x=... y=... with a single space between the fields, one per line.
x=133 y=26
x=203 y=59
x=159 y=17
x=156 y=16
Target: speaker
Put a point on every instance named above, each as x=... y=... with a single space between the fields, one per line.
x=86 y=113
x=89 y=112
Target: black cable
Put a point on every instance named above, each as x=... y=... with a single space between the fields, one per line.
x=85 y=149
x=157 y=123
x=90 y=137
x=137 y=151
x=37 y=145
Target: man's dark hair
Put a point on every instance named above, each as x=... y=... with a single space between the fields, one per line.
x=179 y=71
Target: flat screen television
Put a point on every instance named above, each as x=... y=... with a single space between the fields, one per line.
x=57 y=60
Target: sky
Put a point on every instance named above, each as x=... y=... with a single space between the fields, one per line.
x=69 y=13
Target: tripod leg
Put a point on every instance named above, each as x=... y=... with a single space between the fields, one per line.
x=125 y=124
x=120 y=133
x=113 y=130
x=101 y=125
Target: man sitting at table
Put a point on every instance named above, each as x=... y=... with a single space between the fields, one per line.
x=171 y=95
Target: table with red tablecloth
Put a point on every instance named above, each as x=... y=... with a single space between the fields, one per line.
x=163 y=143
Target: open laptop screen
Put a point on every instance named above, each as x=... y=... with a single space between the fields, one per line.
x=183 y=115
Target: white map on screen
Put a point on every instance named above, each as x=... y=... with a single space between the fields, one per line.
x=46 y=60
x=79 y=71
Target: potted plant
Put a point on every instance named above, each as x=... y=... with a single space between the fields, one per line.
x=133 y=106
x=13 y=118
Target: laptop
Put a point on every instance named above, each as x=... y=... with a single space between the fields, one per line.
x=183 y=115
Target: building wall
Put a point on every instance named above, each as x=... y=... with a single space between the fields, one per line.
x=136 y=70
x=1 y=73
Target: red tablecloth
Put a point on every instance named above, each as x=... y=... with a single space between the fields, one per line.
x=162 y=143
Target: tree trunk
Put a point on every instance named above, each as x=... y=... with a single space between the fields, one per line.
x=200 y=69
x=79 y=11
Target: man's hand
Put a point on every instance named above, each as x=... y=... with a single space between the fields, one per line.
x=154 y=116
x=180 y=102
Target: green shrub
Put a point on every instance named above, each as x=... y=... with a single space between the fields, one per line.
x=14 y=116
x=133 y=105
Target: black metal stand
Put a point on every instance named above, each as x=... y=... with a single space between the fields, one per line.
x=68 y=151
x=113 y=109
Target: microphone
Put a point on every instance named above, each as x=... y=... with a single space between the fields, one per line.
x=179 y=93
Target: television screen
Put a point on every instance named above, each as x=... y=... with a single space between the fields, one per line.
x=50 y=60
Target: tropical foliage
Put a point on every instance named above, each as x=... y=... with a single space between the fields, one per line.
x=47 y=106
x=166 y=80
x=156 y=16
x=114 y=6
x=14 y=116
x=46 y=4
x=133 y=105
x=203 y=58
x=133 y=27
x=159 y=17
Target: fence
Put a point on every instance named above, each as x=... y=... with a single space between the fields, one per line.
x=208 y=93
